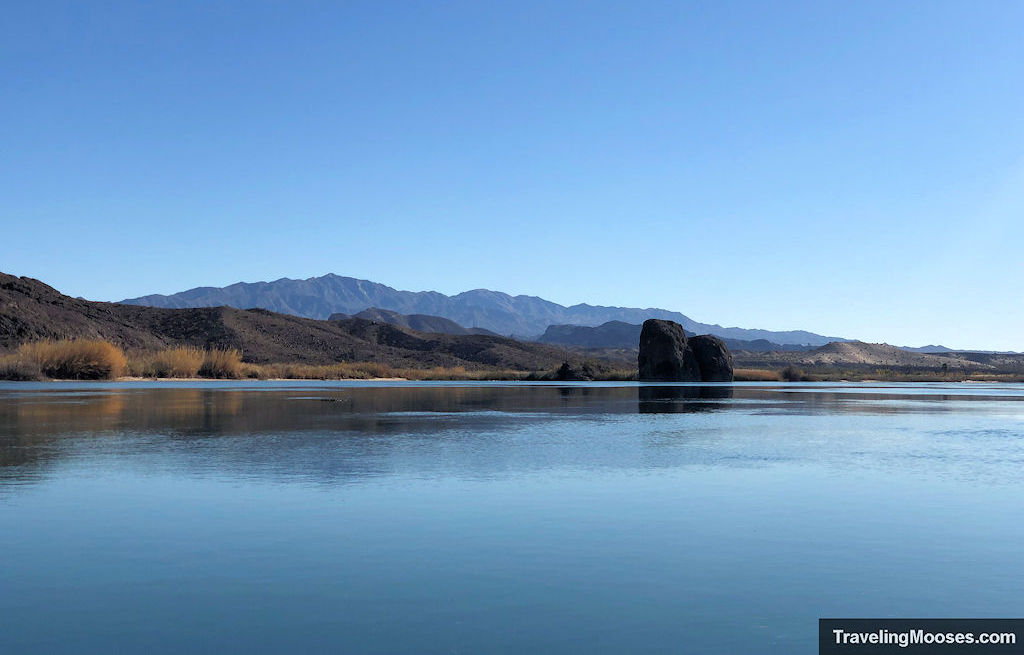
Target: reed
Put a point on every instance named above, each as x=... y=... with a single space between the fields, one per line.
x=16 y=369
x=221 y=363
x=178 y=362
x=374 y=370
x=74 y=359
x=756 y=375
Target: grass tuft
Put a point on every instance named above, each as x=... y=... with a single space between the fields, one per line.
x=221 y=363
x=73 y=359
x=372 y=370
x=14 y=368
x=179 y=362
x=756 y=375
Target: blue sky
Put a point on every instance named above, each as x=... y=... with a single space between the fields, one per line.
x=854 y=169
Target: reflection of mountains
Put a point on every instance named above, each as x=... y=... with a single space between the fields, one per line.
x=199 y=412
x=336 y=433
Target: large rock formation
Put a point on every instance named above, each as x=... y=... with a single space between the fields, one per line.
x=713 y=358
x=666 y=355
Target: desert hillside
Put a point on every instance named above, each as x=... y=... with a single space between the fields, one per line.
x=857 y=355
x=31 y=310
x=521 y=315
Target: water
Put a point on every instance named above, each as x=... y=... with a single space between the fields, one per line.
x=468 y=518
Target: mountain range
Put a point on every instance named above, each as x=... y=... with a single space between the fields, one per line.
x=521 y=316
x=31 y=310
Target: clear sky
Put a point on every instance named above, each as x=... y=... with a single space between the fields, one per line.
x=854 y=169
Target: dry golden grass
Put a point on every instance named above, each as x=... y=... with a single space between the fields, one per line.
x=373 y=370
x=755 y=375
x=180 y=362
x=459 y=373
x=221 y=363
x=86 y=359
x=74 y=359
x=14 y=368
x=621 y=375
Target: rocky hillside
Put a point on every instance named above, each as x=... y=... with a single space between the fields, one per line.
x=857 y=355
x=31 y=310
x=418 y=322
x=523 y=316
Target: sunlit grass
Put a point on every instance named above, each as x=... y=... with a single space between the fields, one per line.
x=14 y=368
x=221 y=363
x=72 y=359
x=374 y=370
x=755 y=375
x=179 y=362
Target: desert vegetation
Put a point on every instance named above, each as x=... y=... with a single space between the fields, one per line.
x=91 y=359
x=756 y=375
x=181 y=362
x=19 y=370
x=70 y=359
x=79 y=359
x=219 y=363
x=187 y=362
x=374 y=370
x=793 y=374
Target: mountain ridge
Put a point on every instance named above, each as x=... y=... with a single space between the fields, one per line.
x=418 y=322
x=31 y=310
x=522 y=315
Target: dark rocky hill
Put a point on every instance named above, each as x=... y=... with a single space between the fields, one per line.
x=419 y=322
x=31 y=310
x=524 y=316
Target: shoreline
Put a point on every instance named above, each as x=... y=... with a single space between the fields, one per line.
x=873 y=380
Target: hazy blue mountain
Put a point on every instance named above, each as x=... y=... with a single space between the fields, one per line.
x=613 y=334
x=524 y=316
x=927 y=349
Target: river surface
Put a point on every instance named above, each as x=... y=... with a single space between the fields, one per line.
x=500 y=518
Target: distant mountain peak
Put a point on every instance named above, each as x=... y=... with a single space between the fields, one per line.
x=522 y=315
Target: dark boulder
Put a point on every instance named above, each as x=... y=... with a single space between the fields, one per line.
x=664 y=353
x=713 y=358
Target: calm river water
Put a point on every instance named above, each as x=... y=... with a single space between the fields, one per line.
x=482 y=518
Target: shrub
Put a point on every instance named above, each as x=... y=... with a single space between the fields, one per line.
x=18 y=369
x=219 y=363
x=181 y=362
x=793 y=374
x=369 y=370
x=77 y=359
x=755 y=375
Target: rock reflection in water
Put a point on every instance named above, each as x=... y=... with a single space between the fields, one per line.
x=682 y=399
